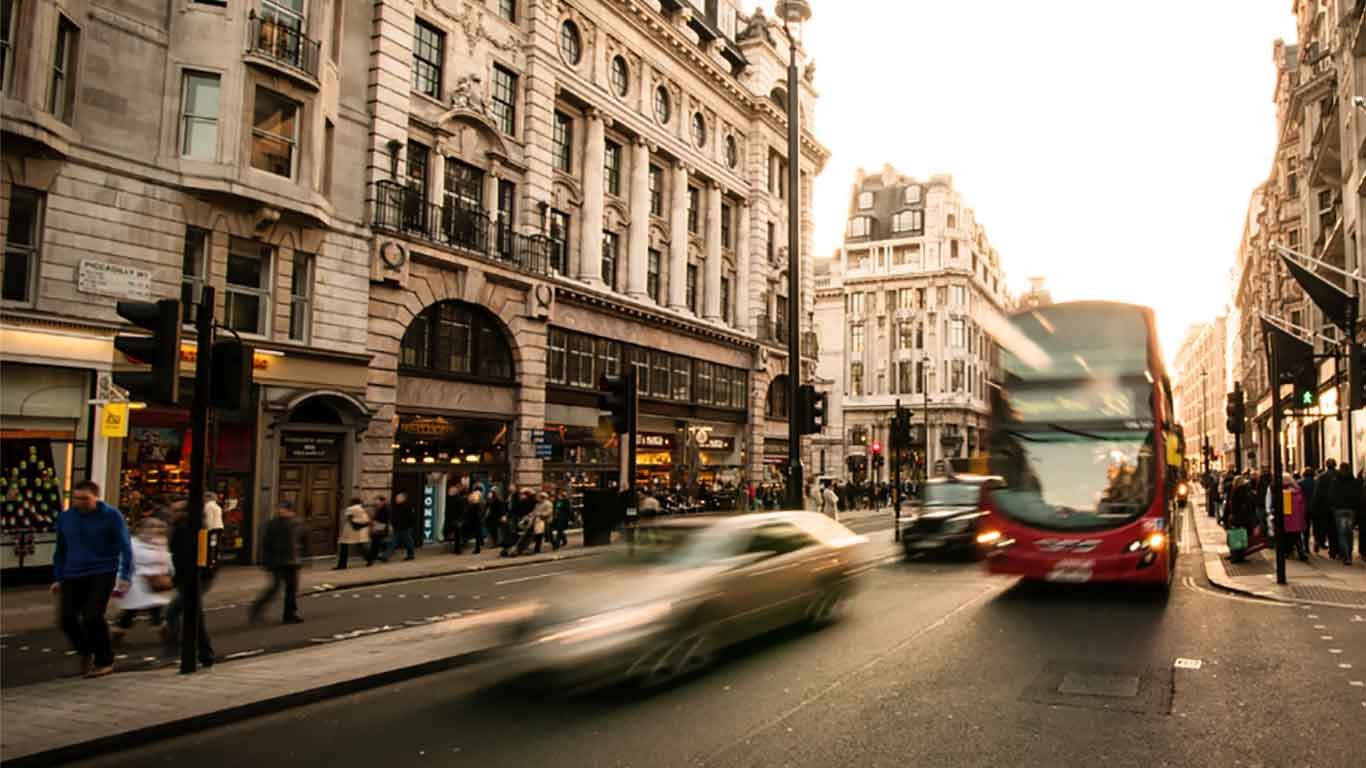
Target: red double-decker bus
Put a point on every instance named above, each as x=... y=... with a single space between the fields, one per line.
x=1086 y=448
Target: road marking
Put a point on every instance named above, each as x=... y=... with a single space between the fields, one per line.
x=1320 y=626
x=1358 y=683
x=153 y=658
x=244 y=654
x=402 y=595
x=525 y=578
x=1187 y=664
x=1311 y=616
x=1335 y=650
x=47 y=650
x=1325 y=637
x=1344 y=665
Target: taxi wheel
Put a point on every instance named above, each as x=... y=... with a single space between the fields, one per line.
x=692 y=651
x=828 y=607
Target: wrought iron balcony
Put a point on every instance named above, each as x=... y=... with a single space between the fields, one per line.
x=403 y=210
x=283 y=44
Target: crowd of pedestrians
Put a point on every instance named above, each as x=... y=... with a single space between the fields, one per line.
x=1327 y=511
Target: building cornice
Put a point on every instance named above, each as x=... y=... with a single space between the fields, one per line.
x=639 y=313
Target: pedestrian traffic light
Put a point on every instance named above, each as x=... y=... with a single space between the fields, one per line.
x=618 y=398
x=232 y=368
x=1234 y=409
x=161 y=351
x=877 y=455
x=1306 y=387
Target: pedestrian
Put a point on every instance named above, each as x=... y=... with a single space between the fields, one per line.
x=559 y=526
x=213 y=512
x=184 y=563
x=280 y=544
x=472 y=522
x=355 y=532
x=519 y=522
x=495 y=515
x=1321 y=510
x=1307 y=491
x=150 y=589
x=379 y=529
x=1295 y=521
x=1214 y=498
x=404 y=521
x=455 y=513
x=1345 y=499
x=540 y=519
x=830 y=504
x=93 y=561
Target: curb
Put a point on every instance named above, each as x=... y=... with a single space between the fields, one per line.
x=510 y=562
x=138 y=736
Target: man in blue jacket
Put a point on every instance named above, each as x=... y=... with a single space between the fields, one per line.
x=93 y=560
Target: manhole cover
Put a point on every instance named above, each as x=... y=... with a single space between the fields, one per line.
x=1097 y=685
x=1253 y=567
x=1089 y=684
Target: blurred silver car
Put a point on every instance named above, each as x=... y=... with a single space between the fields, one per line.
x=663 y=607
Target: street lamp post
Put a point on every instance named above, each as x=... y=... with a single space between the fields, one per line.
x=793 y=12
x=1204 y=436
x=925 y=390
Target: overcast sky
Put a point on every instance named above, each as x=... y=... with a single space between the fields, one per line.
x=1110 y=147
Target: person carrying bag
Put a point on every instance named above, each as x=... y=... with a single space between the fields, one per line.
x=355 y=531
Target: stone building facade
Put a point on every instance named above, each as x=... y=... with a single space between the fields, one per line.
x=1200 y=383
x=437 y=221
x=901 y=315
x=591 y=185
x=148 y=152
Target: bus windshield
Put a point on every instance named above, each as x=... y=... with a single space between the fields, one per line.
x=1073 y=480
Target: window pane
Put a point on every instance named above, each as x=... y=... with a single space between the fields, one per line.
x=23 y=218
x=18 y=267
x=682 y=378
x=273 y=133
x=659 y=385
x=245 y=270
x=495 y=359
x=244 y=312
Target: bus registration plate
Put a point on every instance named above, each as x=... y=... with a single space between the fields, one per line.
x=1071 y=571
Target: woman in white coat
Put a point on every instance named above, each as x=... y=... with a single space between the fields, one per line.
x=355 y=531
x=151 y=589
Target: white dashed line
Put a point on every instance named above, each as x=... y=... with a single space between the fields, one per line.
x=1335 y=650
x=527 y=578
x=1320 y=626
x=1312 y=616
x=1344 y=665
x=244 y=654
x=1358 y=683
x=402 y=595
x=1325 y=637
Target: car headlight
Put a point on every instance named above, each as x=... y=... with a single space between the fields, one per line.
x=606 y=623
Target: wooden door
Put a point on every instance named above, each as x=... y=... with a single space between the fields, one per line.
x=313 y=490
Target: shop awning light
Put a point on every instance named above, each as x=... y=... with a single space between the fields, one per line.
x=269 y=352
x=428 y=460
x=395 y=446
x=410 y=460
x=136 y=406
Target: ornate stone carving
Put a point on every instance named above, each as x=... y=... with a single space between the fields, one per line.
x=809 y=72
x=468 y=93
x=470 y=19
x=756 y=27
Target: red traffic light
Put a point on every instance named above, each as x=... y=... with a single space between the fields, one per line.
x=877 y=447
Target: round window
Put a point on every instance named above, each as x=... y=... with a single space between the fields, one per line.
x=699 y=129
x=662 y=104
x=571 y=45
x=621 y=77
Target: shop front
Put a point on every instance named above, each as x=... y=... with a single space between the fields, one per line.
x=46 y=438
x=436 y=453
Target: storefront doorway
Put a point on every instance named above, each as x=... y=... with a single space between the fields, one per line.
x=310 y=478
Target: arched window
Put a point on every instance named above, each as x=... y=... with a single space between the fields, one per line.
x=779 y=97
x=452 y=337
x=775 y=406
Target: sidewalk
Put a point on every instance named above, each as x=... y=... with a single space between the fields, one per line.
x=1320 y=581
x=28 y=608
x=65 y=720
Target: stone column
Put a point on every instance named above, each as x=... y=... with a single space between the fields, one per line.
x=742 y=318
x=711 y=294
x=678 y=239
x=639 y=233
x=491 y=193
x=590 y=225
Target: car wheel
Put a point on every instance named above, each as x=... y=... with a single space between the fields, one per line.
x=690 y=652
x=827 y=608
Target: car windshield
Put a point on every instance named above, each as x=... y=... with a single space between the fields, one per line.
x=681 y=546
x=1072 y=480
x=952 y=494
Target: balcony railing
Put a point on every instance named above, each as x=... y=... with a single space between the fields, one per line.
x=283 y=44
x=404 y=210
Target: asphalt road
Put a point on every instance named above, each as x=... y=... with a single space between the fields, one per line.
x=936 y=664
x=40 y=655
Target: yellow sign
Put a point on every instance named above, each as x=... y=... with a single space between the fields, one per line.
x=114 y=420
x=1287 y=501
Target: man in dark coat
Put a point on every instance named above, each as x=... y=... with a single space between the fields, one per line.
x=280 y=554
x=1321 y=510
x=184 y=541
x=404 y=521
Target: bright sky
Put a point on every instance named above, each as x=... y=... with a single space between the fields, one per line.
x=1110 y=147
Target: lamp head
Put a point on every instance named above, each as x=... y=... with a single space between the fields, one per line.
x=793 y=11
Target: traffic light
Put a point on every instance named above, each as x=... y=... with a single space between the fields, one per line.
x=1306 y=387
x=1234 y=409
x=877 y=455
x=901 y=429
x=232 y=364
x=810 y=411
x=161 y=351
x=618 y=398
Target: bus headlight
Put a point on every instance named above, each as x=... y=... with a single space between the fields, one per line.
x=988 y=537
x=1152 y=542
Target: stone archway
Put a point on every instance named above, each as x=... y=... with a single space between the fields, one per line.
x=514 y=302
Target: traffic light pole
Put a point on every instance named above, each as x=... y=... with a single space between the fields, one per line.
x=191 y=614
x=1277 y=513
x=898 y=445
x=795 y=494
